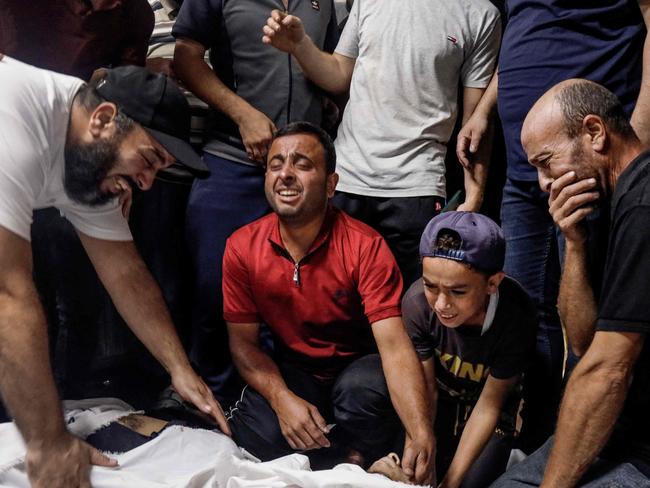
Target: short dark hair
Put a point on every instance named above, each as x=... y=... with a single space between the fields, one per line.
x=450 y=240
x=89 y=98
x=322 y=136
x=582 y=98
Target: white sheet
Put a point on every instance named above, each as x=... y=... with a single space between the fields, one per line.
x=181 y=457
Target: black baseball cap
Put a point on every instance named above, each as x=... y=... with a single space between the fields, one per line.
x=483 y=245
x=158 y=105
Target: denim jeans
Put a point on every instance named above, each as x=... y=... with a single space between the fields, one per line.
x=231 y=197
x=602 y=473
x=534 y=247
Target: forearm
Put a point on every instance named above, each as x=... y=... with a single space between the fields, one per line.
x=589 y=410
x=575 y=288
x=26 y=380
x=328 y=71
x=475 y=181
x=475 y=175
x=408 y=391
x=201 y=80
x=138 y=299
x=260 y=372
x=475 y=436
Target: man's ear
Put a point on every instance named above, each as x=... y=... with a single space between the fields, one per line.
x=332 y=181
x=494 y=281
x=101 y=119
x=594 y=129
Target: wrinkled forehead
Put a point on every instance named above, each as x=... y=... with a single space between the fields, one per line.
x=543 y=125
x=302 y=143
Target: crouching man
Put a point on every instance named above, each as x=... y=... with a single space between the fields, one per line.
x=329 y=290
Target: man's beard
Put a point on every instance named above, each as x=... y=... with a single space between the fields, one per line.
x=86 y=166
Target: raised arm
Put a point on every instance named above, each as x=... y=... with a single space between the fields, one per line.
x=473 y=135
x=475 y=168
x=641 y=115
x=255 y=128
x=331 y=72
x=300 y=422
x=479 y=428
x=408 y=393
x=54 y=457
x=139 y=301
x=570 y=202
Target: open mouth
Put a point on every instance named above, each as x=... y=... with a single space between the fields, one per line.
x=288 y=195
x=116 y=185
x=446 y=316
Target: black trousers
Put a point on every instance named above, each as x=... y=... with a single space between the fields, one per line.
x=399 y=220
x=357 y=401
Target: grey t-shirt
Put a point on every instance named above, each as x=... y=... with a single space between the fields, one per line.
x=410 y=57
x=268 y=79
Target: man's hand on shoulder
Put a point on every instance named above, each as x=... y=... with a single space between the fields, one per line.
x=283 y=31
x=419 y=459
x=192 y=389
x=570 y=202
x=63 y=462
x=300 y=422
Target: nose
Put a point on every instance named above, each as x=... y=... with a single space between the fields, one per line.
x=287 y=172
x=145 y=179
x=544 y=181
x=442 y=301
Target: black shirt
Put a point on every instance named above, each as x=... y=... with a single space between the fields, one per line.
x=464 y=357
x=624 y=300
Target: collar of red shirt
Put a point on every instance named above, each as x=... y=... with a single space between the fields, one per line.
x=323 y=234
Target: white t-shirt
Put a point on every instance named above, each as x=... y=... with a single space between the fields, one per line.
x=35 y=109
x=410 y=57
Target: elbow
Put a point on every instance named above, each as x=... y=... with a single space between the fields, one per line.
x=578 y=349
x=185 y=58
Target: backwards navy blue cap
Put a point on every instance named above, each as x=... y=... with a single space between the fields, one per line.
x=482 y=243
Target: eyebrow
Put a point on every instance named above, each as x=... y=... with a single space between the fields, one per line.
x=295 y=154
x=454 y=285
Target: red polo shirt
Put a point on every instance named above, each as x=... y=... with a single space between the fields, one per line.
x=321 y=308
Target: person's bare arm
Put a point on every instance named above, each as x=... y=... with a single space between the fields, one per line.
x=474 y=139
x=408 y=393
x=139 y=301
x=592 y=402
x=54 y=457
x=570 y=202
x=429 y=369
x=641 y=115
x=300 y=422
x=332 y=72
x=475 y=174
x=256 y=128
x=479 y=428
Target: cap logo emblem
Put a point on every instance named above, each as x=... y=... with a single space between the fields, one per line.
x=315 y=4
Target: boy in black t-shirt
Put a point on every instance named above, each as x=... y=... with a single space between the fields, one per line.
x=474 y=331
